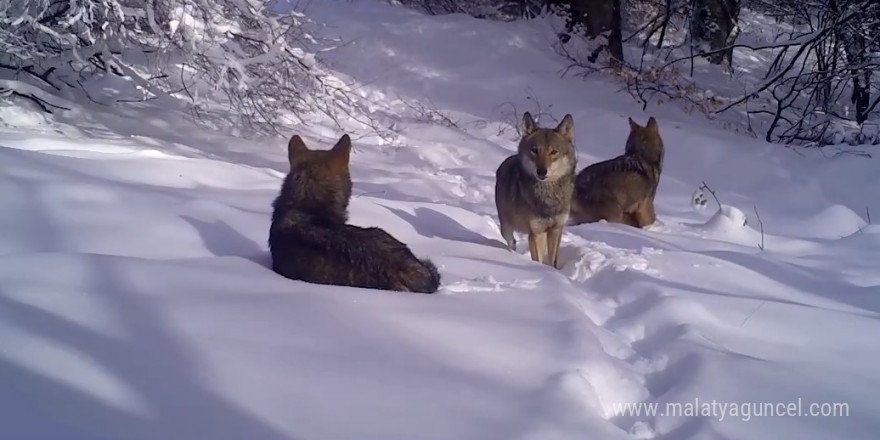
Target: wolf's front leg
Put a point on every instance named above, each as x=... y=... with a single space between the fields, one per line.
x=538 y=246
x=554 y=239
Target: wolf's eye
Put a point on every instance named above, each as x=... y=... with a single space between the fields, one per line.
x=554 y=152
x=534 y=150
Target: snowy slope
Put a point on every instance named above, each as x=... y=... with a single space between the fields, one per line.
x=136 y=302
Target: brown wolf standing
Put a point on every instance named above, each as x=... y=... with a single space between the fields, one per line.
x=621 y=190
x=310 y=240
x=533 y=188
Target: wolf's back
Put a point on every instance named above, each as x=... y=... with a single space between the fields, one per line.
x=624 y=178
x=348 y=255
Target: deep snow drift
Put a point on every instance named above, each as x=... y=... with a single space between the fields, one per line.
x=136 y=302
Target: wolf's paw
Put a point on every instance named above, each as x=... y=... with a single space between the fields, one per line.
x=658 y=225
x=511 y=245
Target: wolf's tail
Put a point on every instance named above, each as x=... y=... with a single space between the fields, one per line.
x=423 y=279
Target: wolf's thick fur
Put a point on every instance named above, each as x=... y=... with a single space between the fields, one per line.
x=622 y=190
x=310 y=240
x=533 y=188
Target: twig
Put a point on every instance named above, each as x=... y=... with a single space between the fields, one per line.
x=514 y=115
x=862 y=228
x=532 y=96
x=747 y=318
x=706 y=187
x=761 y=225
x=431 y=113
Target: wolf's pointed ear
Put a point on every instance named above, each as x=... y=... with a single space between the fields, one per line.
x=296 y=149
x=633 y=126
x=652 y=124
x=566 y=127
x=341 y=152
x=528 y=124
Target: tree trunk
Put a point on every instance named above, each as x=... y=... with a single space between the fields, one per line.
x=714 y=27
x=615 y=40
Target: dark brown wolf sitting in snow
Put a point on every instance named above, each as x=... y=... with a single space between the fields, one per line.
x=310 y=240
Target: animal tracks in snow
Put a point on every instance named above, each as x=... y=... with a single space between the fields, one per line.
x=488 y=284
x=639 y=370
x=581 y=259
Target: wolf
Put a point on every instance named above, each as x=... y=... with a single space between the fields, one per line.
x=310 y=241
x=622 y=189
x=533 y=188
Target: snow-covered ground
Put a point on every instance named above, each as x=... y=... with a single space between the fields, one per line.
x=136 y=302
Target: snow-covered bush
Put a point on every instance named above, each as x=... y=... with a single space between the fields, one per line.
x=809 y=78
x=236 y=53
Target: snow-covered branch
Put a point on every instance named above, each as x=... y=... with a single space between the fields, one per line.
x=229 y=52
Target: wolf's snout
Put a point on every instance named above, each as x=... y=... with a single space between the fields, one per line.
x=542 y=173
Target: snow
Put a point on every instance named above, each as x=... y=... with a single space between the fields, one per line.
x=136 y=300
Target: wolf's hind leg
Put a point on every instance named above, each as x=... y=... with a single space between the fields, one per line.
x=613 y=213
x=644 y=215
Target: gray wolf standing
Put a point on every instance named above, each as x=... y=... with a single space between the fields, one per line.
x=310 y=240
x=622 y=190
x=533 y=188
